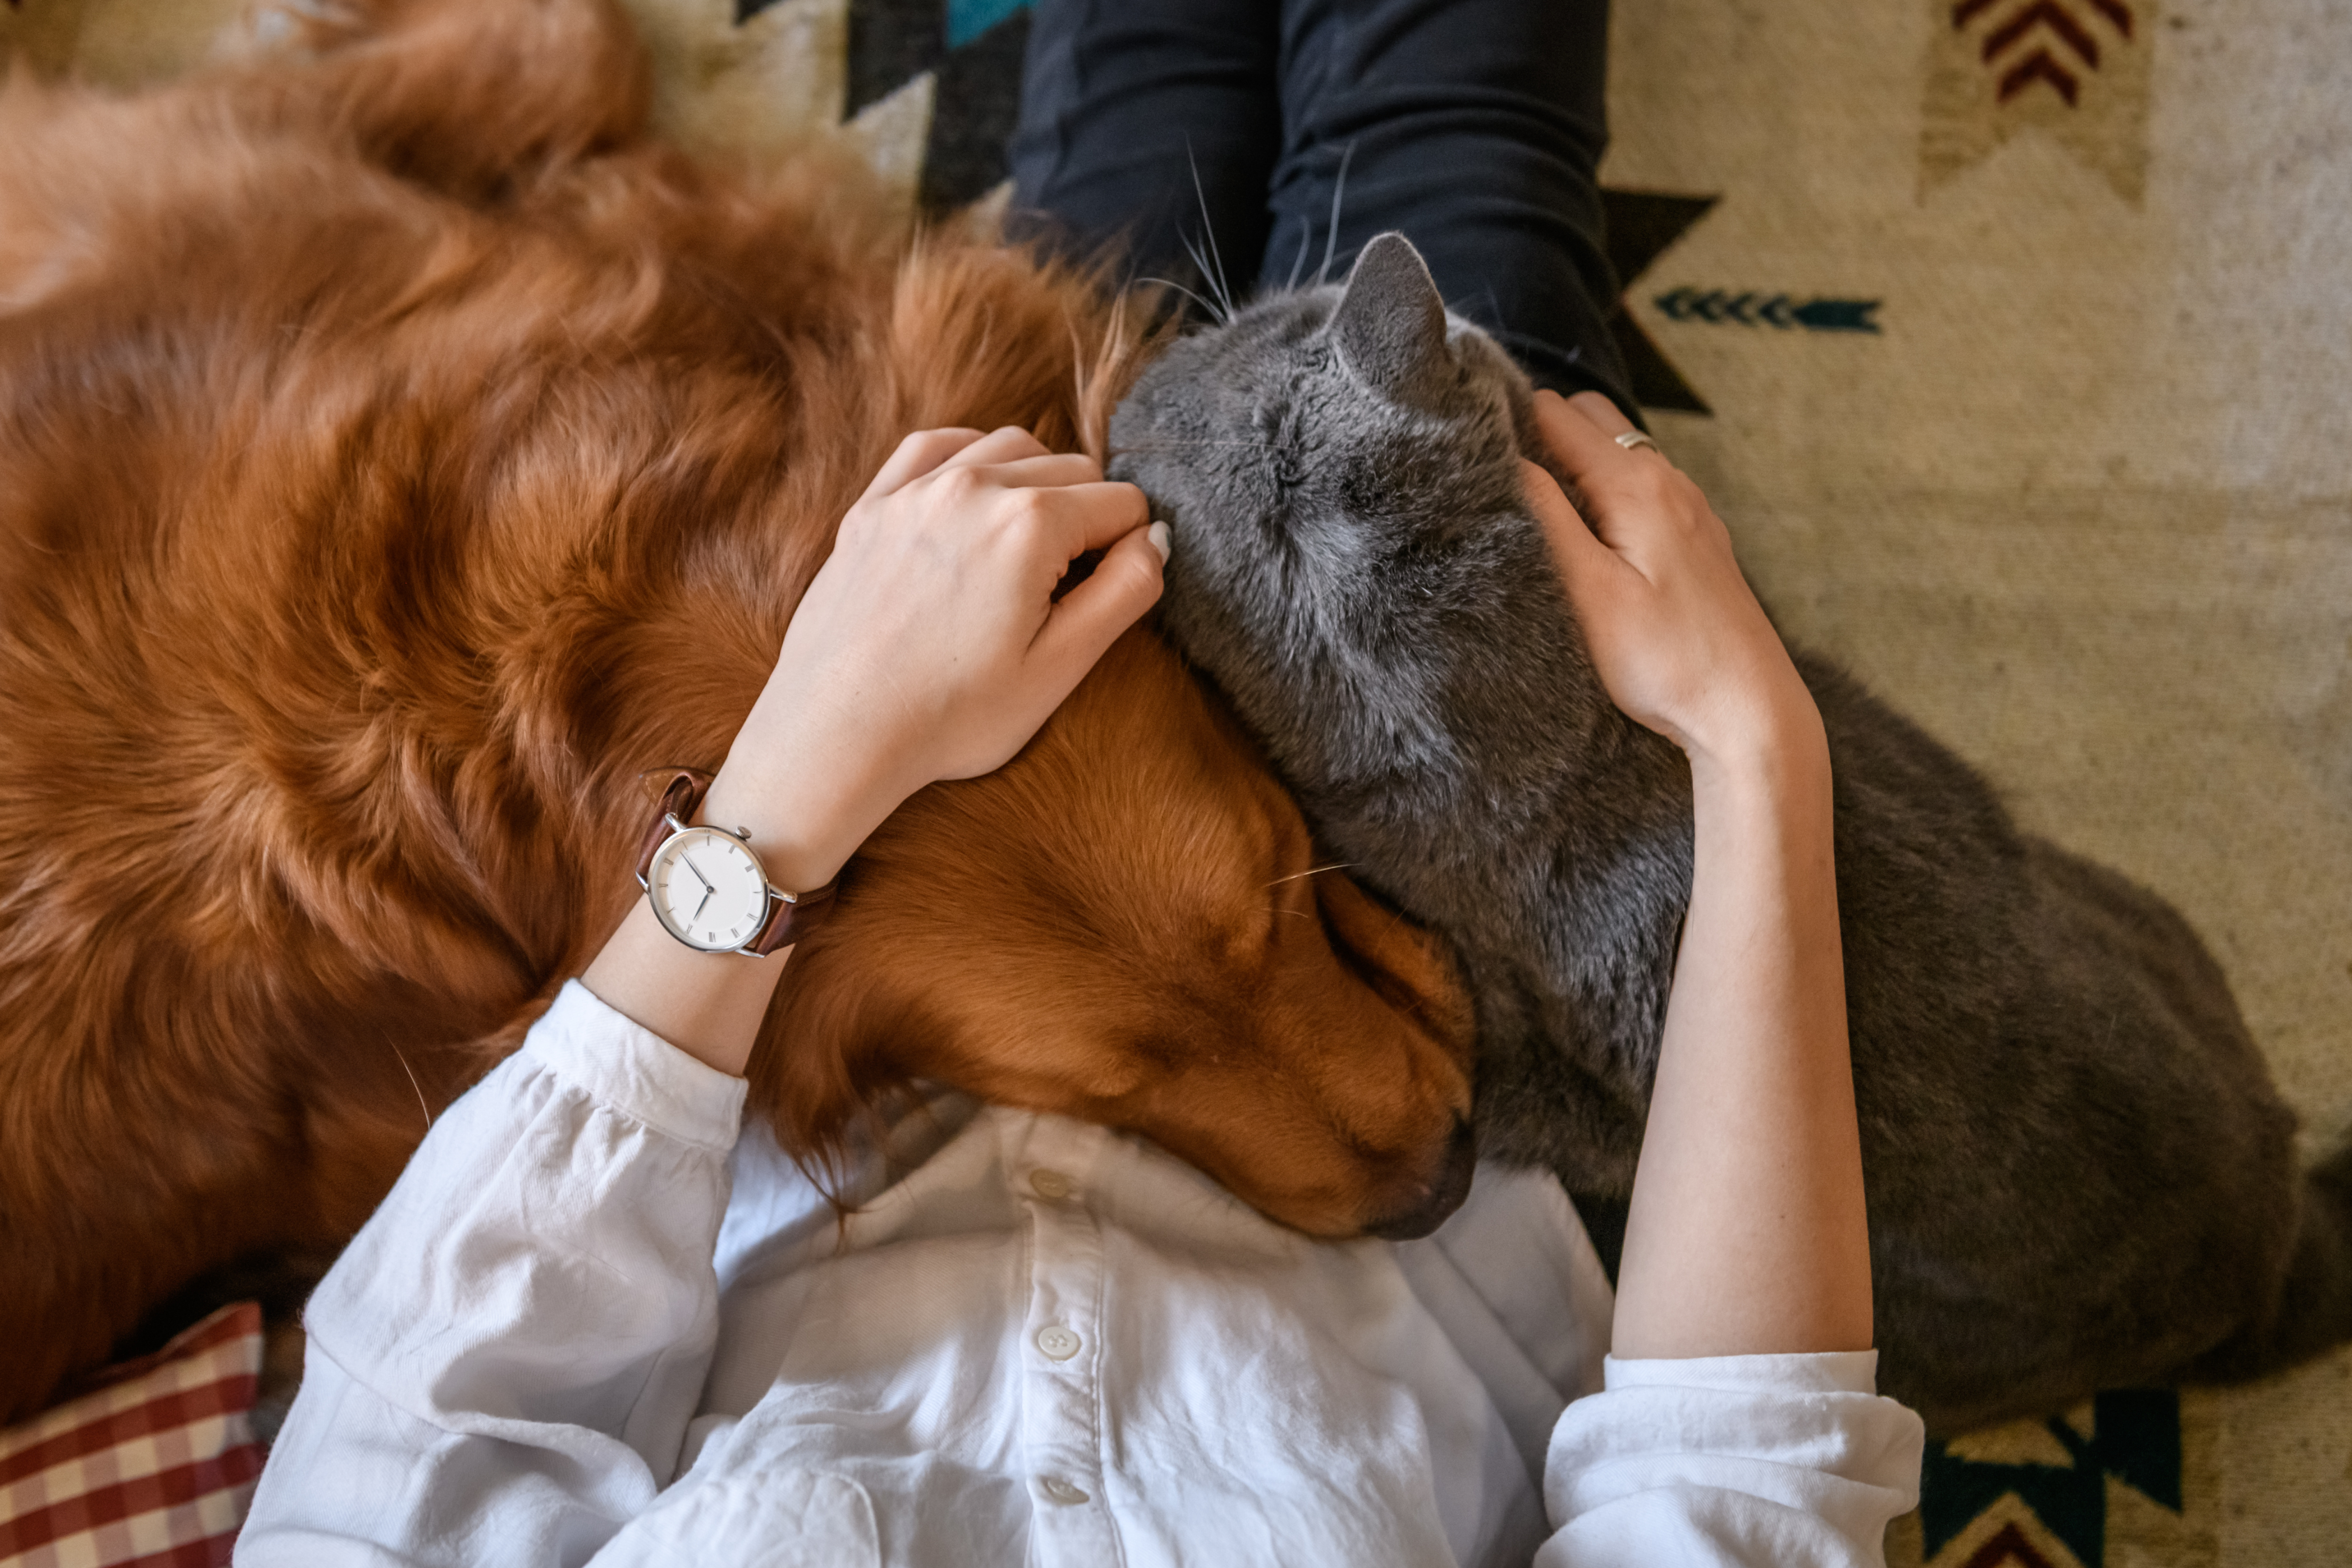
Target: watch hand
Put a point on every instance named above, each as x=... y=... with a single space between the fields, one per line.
x=686 y=861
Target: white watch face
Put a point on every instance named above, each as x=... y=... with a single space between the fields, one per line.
x=708 y=889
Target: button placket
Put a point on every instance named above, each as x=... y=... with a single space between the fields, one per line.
x=1061 y=1387
x=1065 y=1284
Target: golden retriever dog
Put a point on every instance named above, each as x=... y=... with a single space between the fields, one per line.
x=400 y=454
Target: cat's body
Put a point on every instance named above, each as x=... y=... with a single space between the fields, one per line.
x=2079 y=1174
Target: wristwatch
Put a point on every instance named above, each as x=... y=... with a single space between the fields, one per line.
x=705 y=886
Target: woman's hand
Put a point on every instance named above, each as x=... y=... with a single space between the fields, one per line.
x=1674 y=631
x=930 y=645
x=934 y=627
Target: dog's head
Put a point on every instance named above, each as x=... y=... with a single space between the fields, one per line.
x=1128 y=924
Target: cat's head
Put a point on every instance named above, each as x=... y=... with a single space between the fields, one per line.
x=1334 y=421
x=1354 y=560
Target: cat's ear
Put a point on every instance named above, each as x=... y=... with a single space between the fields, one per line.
x=1390 y=324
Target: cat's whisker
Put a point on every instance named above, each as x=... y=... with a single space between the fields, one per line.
x=1313 y=871
x=1201 y=265
x=1298 y=263
x=419 y=1087
x=1331 y=236
x=1191 y=446
x=1171 y=284
x=1178 y=444
x=1209 y=232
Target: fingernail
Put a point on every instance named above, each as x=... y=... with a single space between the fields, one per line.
x=1158 y=534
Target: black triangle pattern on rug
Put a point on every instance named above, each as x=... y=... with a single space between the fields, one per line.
x=973 y=49
x=2136 y=1440
x=1640 y=226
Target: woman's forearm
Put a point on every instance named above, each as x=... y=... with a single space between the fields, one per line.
x=1747 y=1233
x=1747 y=1230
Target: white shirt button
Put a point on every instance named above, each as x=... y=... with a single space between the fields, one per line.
x=1061 y=1491
x=1051 y=1184
x=1059 y=1343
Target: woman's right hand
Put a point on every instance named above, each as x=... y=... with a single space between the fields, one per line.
x=930 y=645
x=1674 y=631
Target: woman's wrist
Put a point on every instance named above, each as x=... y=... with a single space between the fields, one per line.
x=1775 y=741
x=805 y=793
x=803 y=823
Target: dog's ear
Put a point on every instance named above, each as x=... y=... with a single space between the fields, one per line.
x=1412 y=969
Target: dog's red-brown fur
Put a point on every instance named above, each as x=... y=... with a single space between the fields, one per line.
x=398 y=454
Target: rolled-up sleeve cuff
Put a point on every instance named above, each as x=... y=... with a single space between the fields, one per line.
x=633 y=1071
x=1732 y=1459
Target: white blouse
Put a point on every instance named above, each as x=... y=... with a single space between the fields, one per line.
x=592 y=1322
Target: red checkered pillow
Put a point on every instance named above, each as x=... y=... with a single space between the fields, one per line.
x=153 y=1470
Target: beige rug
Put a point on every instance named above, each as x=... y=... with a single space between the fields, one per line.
x=2081 y=500
x=2083 y=504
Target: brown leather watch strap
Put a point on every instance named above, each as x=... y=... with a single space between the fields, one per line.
x=791 y=918
x=789 y=915
x=682 y=791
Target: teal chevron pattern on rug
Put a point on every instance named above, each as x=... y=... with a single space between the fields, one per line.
x=967 y=19
x=1755 y=306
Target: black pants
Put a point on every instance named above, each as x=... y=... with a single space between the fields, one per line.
x=1220 y=128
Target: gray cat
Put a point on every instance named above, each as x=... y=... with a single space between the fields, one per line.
x=2079 y=1174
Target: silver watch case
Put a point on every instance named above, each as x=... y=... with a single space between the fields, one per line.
x=741 y=844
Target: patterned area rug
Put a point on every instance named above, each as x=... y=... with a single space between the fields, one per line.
x=2011 y=338
x=2058 y=466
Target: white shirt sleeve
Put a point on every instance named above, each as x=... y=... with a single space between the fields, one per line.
x=1751 y=1460
x=503 y=1366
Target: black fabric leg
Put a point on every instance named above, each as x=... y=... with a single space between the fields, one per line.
x=1475 y=127
x=1123 y=102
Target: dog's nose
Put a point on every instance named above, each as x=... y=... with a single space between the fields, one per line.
x=1443 y=1193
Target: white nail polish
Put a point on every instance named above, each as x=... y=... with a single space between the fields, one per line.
x=1159 y=537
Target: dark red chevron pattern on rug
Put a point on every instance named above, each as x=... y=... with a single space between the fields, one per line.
x=2008 y=1549
x=2063 y=43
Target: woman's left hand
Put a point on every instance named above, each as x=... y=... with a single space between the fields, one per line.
x=1675 y=632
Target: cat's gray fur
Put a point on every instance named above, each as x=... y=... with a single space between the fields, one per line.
x=2079 y=1174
